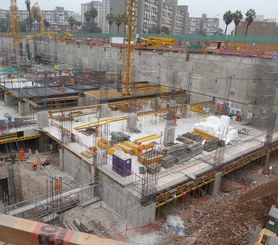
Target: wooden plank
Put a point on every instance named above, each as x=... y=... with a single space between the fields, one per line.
x=19 y=231
x=147 y=138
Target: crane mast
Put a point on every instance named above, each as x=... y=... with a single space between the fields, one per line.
x=128 y=66
x=14 y=18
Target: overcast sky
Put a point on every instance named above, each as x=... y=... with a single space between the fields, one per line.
x=268 y=8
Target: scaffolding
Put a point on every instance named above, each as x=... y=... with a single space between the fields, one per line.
x=10 y=181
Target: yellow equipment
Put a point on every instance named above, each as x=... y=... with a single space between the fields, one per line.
x=36 y=36
x=158 y=42
x=41 y=14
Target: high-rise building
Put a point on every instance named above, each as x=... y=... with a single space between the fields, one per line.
x=203 y=25
x=147 y=15
x=182 y=16
x=167 y=10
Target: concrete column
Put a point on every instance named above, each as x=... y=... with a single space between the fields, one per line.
x=42 y=117
x=132 y=122
x=104 y=111
x=9 y=100
x=23 y=108
x=43 y=141
x=169 y=131
x=215 y=186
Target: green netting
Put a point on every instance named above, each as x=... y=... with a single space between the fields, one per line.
x=9 y=70
x=188 y=38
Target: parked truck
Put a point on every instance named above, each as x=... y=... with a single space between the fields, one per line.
x=269 y=234
x=117 y=40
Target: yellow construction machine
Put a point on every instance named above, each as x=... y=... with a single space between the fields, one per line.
x=156 y=42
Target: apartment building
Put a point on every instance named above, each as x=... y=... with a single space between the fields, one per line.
x=57 y=18
x=147 y=15
x=167 y=10
x=203 y=25
x=182 y=16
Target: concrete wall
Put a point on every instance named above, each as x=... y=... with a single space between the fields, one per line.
x=229 y=77
x=211 y=75
x=75 y=166
x=125 y=203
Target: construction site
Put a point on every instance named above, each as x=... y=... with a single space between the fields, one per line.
x=137 y=146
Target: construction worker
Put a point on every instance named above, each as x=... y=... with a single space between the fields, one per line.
x=72 y=82
x=140 y=149
x=21 y=154
x=63 y=89
x=176 y=119
x=58 y=186
x=96 y=131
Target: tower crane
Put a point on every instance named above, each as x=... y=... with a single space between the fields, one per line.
x=128 y=69
x=14 y=19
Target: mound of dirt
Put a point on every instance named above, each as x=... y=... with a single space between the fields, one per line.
x=232 y=218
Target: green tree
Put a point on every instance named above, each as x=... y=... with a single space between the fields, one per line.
x=90 y=16
x=72 y=22
x=87 y=16
x=119 y=20
x=110 y=19
x=37 y=16
x=165 y=30
x=228 y=18
x=22 y=26
x=28 y=7
x=46 y=24
x=250 y=16
x=237 y=16
x=7 y=22
x=94 y=13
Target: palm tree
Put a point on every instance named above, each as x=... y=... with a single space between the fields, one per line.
x=71 y=22
x=36 y=15
x=250 y=16
x=110 y=19
x=237 y=16
x=94 y=13
x=87 y=16
x=228 y=18
x=119 y=20
x=28 y=7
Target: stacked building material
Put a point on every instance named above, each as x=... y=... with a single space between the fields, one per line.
x=150 y=158
x=121 y=163
x=184 y=140
x=192 y=136
x=153 y=168
x=213 y=144
x=119 y=137
x=168 y=161
x=183 y=156
x=195 y=148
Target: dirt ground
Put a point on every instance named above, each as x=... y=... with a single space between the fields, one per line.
x=230 y=218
